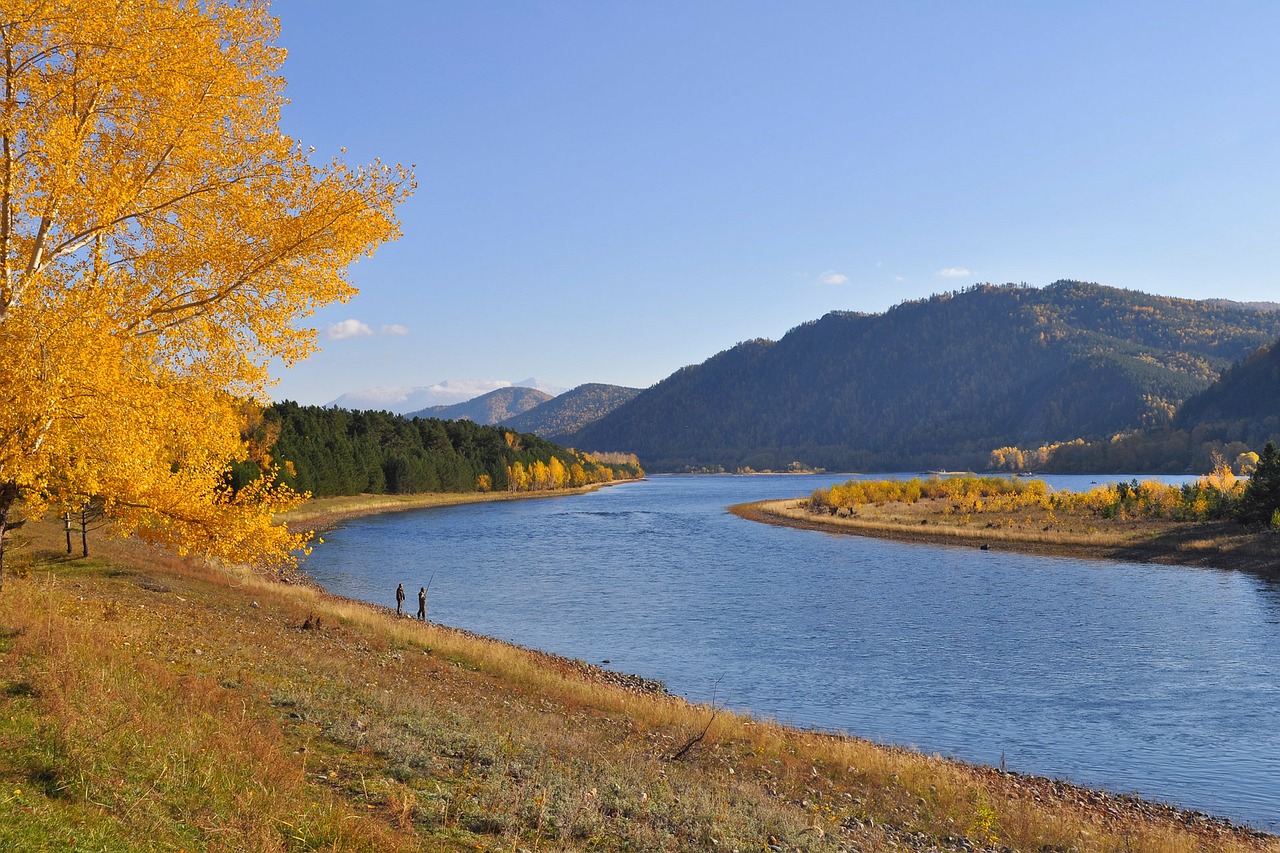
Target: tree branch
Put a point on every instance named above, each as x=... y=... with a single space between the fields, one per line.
x=696 y=739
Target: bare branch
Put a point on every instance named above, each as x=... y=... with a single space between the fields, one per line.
x=696 y=739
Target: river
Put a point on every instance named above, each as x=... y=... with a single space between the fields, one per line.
x=1137 y=678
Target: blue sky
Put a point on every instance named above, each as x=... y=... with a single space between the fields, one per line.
x=612 y=190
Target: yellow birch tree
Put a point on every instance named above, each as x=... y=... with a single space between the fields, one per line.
x=557 y=474
x=160 y=242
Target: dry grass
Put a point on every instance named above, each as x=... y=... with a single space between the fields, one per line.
x=148 y=702
x=1223 y=544
x=1034 y=526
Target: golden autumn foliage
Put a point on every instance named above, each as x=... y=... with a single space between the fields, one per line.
x=160 y=240
x=1211 y=496
x=585 y=469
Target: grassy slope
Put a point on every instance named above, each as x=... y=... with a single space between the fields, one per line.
x=153 y=703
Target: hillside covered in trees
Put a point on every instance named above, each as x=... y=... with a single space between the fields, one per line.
x=532 y=410
x=496 y=406
x=1245 y=397
x=572 y=410
x=328 y=451
x=941 y=381
x=1234 y=417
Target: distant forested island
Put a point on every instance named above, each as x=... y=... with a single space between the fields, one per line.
x=328 y=451
x=1097 y=377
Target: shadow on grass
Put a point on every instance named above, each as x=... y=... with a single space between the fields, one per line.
x=1224 y=545
x=20 y=690
x=45 y=556
x=7 y=636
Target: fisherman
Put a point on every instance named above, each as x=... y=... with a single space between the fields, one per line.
x=422 y=603
x=400 y=600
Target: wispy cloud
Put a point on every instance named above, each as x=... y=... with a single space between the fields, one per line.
x=359 y=329
x=832 y=278
x=954 y=272
x=348 y=329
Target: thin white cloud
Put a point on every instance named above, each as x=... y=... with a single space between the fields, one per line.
x=833 y=278
x=348 y=329
x=395 y=329
x=466 y=389
x=954 y=272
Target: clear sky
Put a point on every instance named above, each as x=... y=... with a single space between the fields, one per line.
x=612 y=190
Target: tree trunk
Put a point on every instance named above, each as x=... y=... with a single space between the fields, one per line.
x=84 y=532
x=8 y=497
x=66 y=517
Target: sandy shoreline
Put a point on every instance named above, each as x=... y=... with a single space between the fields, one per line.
x=1221 y=545
x=323 y=513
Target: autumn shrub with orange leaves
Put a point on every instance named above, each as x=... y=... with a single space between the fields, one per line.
x=966 y=489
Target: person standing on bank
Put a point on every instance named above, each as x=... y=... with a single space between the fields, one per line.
x=422 y=603
x=400 y=600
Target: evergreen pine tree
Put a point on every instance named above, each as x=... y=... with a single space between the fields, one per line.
x=1261 y=497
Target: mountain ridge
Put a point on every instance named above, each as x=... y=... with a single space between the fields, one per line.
x=490 y=408
x=403 y=399
x=1246 y=391
x=938 y=381
x=571 y=411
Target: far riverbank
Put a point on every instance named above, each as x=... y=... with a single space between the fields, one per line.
x=325 y=513
x=1221 y=544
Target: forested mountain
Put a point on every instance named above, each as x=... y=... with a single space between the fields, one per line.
x=572 y=410
x=1236 y=415
x=329 y=451
x=1246 y=393
x=940 y=381
x=490 y=408
x=407 y=399
x=1260 y=306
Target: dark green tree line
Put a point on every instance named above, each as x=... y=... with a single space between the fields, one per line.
x=328 y=451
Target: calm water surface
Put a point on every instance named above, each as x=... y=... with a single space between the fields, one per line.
x=1133 y=677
